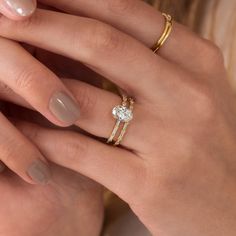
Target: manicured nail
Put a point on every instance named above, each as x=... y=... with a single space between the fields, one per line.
x=64 y=108
x=39 y=172
x=21 y=7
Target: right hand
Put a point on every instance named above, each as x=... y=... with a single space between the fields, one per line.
x=31 y=82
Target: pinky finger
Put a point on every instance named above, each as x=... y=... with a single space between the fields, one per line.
x=17 y=9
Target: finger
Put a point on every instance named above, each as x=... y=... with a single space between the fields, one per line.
x=113 y=54
x=96 y=114
x=17 y=9
x=112 y=167
x=144 y=23
x=21 y=156
x=36 y=84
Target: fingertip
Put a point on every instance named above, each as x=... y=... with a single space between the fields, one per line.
x=64 y=108
x=17 y=9
x=39 y=172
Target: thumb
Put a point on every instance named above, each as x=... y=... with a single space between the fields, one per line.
x=17 y=9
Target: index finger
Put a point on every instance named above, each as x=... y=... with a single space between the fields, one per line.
x=104 y=49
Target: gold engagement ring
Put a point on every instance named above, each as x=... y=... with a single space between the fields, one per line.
x=123 y=114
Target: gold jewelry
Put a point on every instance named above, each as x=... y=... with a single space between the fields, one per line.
x=168 y=28
x=124 y=129
x=123 y=114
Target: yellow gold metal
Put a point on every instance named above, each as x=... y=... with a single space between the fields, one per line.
x=168 y=28
x=124 y=129
x=114 y=131
x=118 y=123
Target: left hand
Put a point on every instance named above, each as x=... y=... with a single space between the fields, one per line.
x=176 y=169
x=70 y=198
x=66 y=206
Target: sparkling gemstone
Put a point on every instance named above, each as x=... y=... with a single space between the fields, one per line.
x=122 y=113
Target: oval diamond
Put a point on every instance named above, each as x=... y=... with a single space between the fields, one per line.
x=122 y=113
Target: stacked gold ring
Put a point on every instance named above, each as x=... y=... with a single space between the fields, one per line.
x=168 y=28
x=123 y=114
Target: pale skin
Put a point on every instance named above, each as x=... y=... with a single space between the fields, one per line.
x=176 y=167
x=40 y=88
x=69 y=202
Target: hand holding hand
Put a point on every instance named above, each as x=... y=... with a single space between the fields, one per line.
x=176 y=166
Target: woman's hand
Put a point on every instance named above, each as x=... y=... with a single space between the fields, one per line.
x=39 y=87
x=31 y=82
x=177 y=167
x=65 y=207
x=69 y=198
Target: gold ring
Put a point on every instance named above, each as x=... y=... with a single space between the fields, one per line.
x=168 y=28
x=123 y=114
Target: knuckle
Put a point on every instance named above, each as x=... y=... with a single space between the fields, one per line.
x=212 y=53
x=9 y=150
x=204 y=104
x=215 y=53
x=122 y=6
x=103 y=38
x=87 y=101
x=25 y=79
x=75 y=150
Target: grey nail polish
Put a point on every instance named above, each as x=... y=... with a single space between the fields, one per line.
x=21 y=7
x=64 y=108
x=39 y=172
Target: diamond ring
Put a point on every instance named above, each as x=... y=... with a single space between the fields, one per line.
x=123 y=114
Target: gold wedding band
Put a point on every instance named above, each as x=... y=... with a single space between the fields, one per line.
x=123 y=114
x=168 y=28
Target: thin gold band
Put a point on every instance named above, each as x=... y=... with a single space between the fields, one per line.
x=118 y=124
x=168 y=28
x=125 y=126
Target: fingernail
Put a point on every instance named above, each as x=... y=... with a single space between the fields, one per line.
x=21 y=7
x=64 y=108
x=39 y=172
